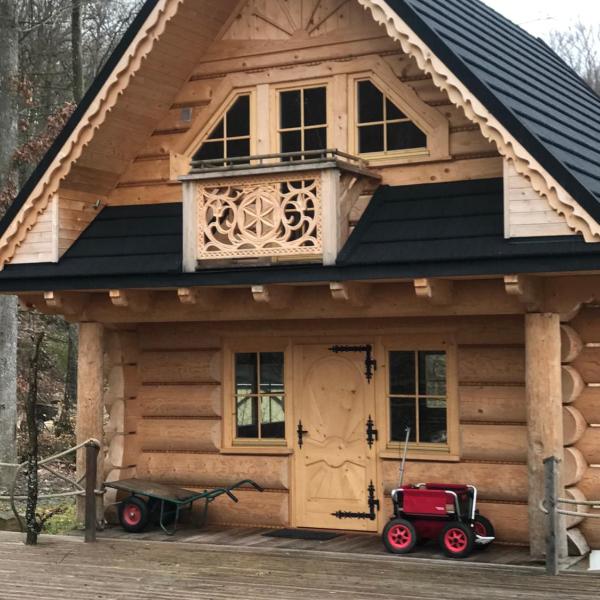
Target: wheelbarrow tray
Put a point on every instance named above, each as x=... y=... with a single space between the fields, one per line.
x=175 y=496
x=158 y=491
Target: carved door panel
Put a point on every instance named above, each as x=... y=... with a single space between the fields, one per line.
x=335 y=465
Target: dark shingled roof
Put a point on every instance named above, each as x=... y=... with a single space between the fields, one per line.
x=443 y=230
x=523 y=83
x=445 y=223
x=536 y=96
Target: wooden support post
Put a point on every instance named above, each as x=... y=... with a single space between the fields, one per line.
x=91 y=475
x=551 y=493
x=544 y=419
x=90 y=406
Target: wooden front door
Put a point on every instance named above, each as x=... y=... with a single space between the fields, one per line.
x=335 y=465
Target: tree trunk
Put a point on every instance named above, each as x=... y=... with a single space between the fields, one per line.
x=64 y=424
x=9 y=72
x=76 y=56
x=33 y=527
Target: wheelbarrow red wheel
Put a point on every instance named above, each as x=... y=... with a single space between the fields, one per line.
x=483 y=528
x=457 y=540
x=399 y=536
x=133 y=514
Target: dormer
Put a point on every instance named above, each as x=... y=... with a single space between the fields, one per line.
x=277 y=170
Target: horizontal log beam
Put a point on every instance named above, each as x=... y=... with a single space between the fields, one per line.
x=437 y=291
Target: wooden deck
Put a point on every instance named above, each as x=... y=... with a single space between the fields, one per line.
x=346 y=543
x=64 y=567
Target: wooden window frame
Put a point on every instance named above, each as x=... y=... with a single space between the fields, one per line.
x=231 y=443
x=425 y=451
x=220 y=113
x=430 y=121
x=277 y=89
x=385 y=122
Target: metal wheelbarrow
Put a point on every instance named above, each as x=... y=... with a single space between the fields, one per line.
x=163 y=503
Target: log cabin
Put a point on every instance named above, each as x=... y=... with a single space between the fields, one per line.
x=249 y=185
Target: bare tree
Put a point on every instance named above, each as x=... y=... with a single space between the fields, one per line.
x=76 y=55
x=579 y=47
x=9 y=73
x=32 y=524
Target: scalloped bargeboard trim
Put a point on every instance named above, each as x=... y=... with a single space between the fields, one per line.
x=559 y=200
x=96 y=114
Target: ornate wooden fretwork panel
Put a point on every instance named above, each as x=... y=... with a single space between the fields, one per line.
x=260 y=216
x=271 y=208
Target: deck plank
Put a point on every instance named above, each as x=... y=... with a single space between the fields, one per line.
x=64 y=567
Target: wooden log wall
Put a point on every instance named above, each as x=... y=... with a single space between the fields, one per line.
x=177 y=420
x=150 y=177
x=169 y=376
x=493 y=432
x=581 y=355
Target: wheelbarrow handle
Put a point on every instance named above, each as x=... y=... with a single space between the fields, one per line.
x=230 y=494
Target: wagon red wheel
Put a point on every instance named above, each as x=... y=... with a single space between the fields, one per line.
x=483 y=527
x=399 y=536
x=457 y=540
x=133 y=514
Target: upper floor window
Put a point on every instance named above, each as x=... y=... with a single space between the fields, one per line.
x=230 y=137
x=382 y=127
x=303 y=119
x=259 y=396
x=418 y=396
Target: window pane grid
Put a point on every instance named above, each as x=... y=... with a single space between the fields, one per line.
x=388 y=120
x=253 y=414
x=303 y=127
x=223 y=127
x=416 y=397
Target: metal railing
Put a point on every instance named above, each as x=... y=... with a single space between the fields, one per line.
x=87 y=491
x=306 y=157
x=551 y=507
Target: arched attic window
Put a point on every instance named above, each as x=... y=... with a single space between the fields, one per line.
x=382 y=127
x=230 y=137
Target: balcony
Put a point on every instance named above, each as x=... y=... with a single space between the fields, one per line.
x=256 y=210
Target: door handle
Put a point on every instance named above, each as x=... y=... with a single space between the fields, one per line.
x=301 y=433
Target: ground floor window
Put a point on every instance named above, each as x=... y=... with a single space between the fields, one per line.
x=417 y=392
x=259 y=396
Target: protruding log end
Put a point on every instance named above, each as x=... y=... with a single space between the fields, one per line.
x=571 y=344
x=572 y=384
x=574 y=425
x=575 y=466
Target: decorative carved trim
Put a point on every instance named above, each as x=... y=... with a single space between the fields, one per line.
x=528 y=289
x=438 y=291
x=136 y=300
x=561 y=202
x=96 y=114
x=206 y=298
x=260 y=216
x=357 y=294
x=274 y=296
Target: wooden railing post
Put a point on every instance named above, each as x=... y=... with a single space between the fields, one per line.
x=91 y=474
x=551 y=491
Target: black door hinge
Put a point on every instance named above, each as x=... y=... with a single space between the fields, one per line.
x=370 y=362
x=372 y=433
x=374 y=507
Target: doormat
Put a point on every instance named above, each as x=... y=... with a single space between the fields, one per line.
x=302 y=534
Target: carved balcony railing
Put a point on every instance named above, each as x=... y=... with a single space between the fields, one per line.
x=270 y=208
